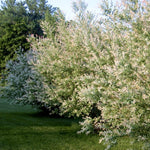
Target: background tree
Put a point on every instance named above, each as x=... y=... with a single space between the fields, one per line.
x=18 y=20
x=37 y=10
x=13 y=30
x=14 y=37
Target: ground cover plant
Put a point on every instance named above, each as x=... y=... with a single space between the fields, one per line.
x=96 y=70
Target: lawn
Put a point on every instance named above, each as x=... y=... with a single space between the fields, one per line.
x=26 y=128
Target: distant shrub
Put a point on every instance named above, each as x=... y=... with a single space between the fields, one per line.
x=24 y=85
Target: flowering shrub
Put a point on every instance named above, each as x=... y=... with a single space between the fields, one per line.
x=105 y=67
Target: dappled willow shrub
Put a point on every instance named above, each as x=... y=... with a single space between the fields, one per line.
x=106 y=66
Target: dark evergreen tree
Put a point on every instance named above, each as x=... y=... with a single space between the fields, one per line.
x=36 y=12
x=18 y=20
x=14 y=37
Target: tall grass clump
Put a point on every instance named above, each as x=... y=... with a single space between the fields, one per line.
x=99 y=70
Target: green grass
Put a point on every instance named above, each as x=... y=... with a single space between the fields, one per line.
x=25 y=128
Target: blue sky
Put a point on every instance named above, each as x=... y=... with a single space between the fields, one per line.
x=66 y=6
